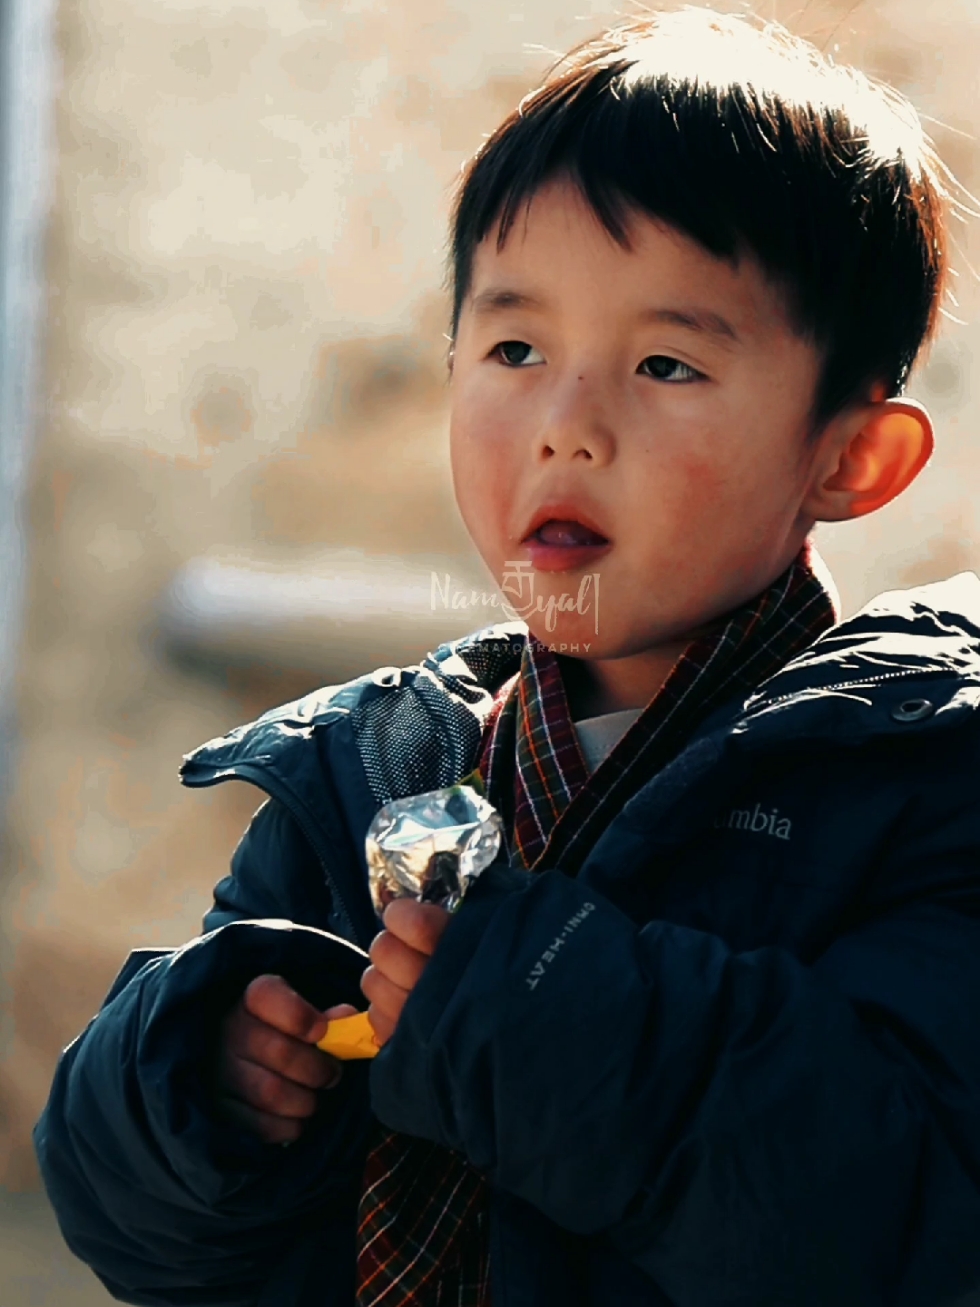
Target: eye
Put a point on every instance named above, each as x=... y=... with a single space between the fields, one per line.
x=664 y=368
x=506 y=350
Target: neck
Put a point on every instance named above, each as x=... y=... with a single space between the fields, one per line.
x=612 y=684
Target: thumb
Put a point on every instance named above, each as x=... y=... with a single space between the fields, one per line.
x=318 y=1028
x=341 y=1010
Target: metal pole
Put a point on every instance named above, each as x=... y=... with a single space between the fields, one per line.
x=26 y=96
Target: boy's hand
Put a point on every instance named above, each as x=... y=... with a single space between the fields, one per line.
x=399 y=955
x=268 y=1069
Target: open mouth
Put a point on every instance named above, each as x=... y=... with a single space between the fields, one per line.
x=562 y=544
x=566 y=534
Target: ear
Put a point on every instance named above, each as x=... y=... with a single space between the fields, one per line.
x=877 y=454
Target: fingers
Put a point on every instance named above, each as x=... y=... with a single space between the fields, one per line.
x=268 y=1092
x=387 y=1000
x=399 y=955
x=252 y=1040
x=268 y=1072
x=387 y=983
x=273 y=1001
x=401 y=964
x=419 y=925
x=341 y=1010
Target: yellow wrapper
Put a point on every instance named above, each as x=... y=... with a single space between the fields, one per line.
x=349 y=1038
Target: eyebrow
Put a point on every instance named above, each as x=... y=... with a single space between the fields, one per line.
x=690 y=318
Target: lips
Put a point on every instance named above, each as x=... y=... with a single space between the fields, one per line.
x=562 y=538
x=564 y=525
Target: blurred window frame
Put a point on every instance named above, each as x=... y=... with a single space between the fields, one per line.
x=27 y=87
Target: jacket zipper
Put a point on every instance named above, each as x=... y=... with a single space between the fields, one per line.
x=844 y=685
x=260 y=777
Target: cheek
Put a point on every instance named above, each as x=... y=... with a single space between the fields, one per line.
x=727 y=498
x=481 y=477
x=693 y=493
x=702 y=484
x=698 y=517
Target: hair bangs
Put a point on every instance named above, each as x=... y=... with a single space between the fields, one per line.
x=749 y=141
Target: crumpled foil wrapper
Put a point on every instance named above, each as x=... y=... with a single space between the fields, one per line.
x=431 y=847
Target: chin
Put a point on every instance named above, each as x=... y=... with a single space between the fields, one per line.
x=582 y=642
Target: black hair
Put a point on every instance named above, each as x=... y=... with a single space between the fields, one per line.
x=744 y=137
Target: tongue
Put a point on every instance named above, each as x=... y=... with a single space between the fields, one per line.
x=568 y=533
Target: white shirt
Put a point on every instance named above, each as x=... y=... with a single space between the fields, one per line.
x=597 y=736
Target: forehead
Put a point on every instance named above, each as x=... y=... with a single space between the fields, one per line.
x=558 y=253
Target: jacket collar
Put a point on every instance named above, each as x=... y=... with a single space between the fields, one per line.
x=865 y=666
x=849 y=684
x=852 y=682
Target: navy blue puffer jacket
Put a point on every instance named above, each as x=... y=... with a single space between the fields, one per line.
x=734 y=1063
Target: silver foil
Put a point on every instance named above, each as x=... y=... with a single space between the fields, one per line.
x=431 y=847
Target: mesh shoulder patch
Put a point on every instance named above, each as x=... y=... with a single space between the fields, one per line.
x=426 y=731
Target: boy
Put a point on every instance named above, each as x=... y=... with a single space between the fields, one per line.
x=710 y=1037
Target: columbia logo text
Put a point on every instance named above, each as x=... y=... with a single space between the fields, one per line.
x=757 y=820
x=551 y=952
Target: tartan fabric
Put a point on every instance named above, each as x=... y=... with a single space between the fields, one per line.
x=416 y=1200
x=741 y=651
x=423 y=1225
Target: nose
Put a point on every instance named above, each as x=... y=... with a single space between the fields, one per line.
x=574 y=426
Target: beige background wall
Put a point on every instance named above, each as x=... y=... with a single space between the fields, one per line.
x=244 y=358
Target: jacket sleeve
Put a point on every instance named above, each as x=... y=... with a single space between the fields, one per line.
x=167 y=1203
x=743 y=1127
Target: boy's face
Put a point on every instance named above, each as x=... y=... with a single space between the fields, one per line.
x=684 y=447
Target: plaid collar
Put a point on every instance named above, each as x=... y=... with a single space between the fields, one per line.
x=536 y=775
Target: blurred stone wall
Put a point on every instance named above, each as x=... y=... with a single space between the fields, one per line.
x=245 y=352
